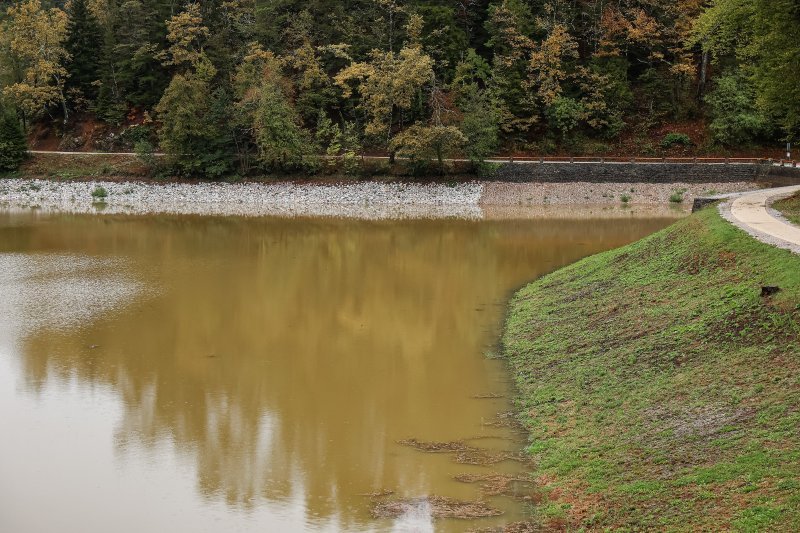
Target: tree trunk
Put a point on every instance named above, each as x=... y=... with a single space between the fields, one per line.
x=701 y=88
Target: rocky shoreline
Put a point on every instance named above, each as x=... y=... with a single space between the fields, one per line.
x=369 y=200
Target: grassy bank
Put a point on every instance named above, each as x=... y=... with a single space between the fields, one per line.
x=126 y=167
x=790 y=208
x=659 y=388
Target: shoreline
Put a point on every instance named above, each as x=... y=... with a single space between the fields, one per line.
x=358 y=199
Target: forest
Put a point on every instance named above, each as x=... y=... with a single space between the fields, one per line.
x=233 y=87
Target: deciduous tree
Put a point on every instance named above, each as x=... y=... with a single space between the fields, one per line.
x=33 y=38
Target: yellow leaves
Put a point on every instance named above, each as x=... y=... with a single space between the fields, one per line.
x=306 y=61
x=547 y=63
x=635 y=27
x=389 y=80
x=643 y=28
x=186 y=33
x=257 y=67
x=423 y=143
x=34 y=39
x=414 y=30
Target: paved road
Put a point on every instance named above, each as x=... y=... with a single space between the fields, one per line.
x=751 y=212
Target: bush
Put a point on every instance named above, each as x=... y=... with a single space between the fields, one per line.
x=99 y=192
x=674 y=139
x=13 y=145
x=677 y=197
x=565 y=114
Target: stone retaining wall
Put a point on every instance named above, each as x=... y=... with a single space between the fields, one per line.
x=637 y=172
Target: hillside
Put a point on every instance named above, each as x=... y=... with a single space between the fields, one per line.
x=660 y=387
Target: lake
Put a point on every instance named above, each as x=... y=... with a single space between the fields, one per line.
x=187 y=373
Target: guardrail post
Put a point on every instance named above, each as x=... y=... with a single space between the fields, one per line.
x=727 y=160
x=694 y=160
x=602 y=159
x=633 y=160
x=571 y=159
x=541 y=160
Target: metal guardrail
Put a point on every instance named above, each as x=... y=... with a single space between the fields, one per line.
x=549 y=159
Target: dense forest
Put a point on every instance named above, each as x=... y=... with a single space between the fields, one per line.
x=235 y=86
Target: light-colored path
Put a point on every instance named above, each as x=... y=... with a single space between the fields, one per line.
x=751 y=212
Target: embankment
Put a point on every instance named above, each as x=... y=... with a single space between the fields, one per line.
x=660 y=383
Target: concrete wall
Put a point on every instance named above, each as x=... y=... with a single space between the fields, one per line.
x=638 y=172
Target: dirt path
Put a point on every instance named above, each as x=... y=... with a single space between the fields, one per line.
x=751 y=212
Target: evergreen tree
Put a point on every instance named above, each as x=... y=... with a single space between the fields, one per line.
x=13 y=146
x=84 y=44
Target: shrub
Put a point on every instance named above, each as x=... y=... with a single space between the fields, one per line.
x=99 y=192
x=565 y=114
x=677 y=197
x=673 y=139
x=625 y=198
x=13 y=146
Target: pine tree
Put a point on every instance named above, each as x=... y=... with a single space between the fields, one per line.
x=13 y=146
x=84 y=44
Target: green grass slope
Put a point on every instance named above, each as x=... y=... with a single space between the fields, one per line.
x=790 y=208
x=659 y=388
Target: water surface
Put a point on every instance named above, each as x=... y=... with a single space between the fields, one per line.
x=232 y=374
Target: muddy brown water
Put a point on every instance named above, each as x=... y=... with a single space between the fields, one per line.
x=231 y=374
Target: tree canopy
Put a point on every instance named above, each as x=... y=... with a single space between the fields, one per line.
x=249 y=82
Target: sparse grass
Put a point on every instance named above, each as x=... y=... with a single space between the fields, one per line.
x=625 y=198
x=790 y=208
x=659 y=389
x=77 y=167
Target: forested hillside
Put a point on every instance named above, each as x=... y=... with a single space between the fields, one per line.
x=231 y=86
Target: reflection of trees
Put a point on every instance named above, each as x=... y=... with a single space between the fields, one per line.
x=293 y=353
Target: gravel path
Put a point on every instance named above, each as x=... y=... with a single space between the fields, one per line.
x=368 y=200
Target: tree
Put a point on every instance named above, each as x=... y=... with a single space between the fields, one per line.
x=735 y=117
x=511 y=46
x=33 y=37
x=195 y=129
x=83 y=45
x=13 y=145
x=422 y=144
x=193 y=118
x=481 y=128
x=265 y=111
x=389 y=82
x=760 y=36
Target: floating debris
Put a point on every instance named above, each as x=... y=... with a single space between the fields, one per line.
x=518 y=486
x=464 y=453
x=514 y=527
x=378 y=493
x=438 y=506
